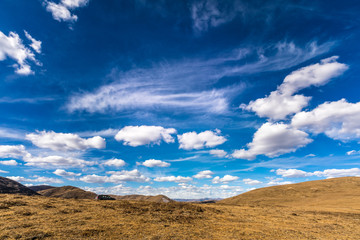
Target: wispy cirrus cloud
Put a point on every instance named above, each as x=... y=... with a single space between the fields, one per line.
x=189 y=85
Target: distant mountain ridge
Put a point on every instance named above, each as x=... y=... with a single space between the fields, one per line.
x=332 y=193
x=12 y=187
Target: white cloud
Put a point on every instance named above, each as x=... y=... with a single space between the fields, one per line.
x=94 y=179
x=64 y=141
x=277 y=181
x=61 y=11
x=115 y=162
x=155 y=163
x=352 y=152
x=56 y=161
x=143 y=135
x=329 y=173
x=217 y=152
x=333 y=173
x=11 y=46
x=225 y=179
x=272 y=140
x=36 y=179
x=63 y=173
x=116 y=177
x=12 y=151
x=193 y=140
x=35 y=44
x=292 y=173
x=74 y=3
x=282 y=102
x=204 y=174
x=178 y=179
x=9 y=163
x=338 y=120
x=251 y=182
x=127 y=176
x=2 y=171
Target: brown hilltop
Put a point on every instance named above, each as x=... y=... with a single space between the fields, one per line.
x=10 y=186
x=68 y=192
x=134 y=197
x=334 y=193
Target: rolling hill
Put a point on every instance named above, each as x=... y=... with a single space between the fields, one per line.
x=334 y=193
x=10 y=186
x=68 y=192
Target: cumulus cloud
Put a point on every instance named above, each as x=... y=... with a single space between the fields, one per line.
x=116 y=177
x=338 y=120
x=225 y=179
x=12 y=47
x=155 y=163
x=204 y=174
x=37 y=179
x=193 y=140
x=282 y=102
x=328 y=173
x=251 y=182
x=61 y=11
x=64 y=141
x=332 y=173
x=178 y=179
x=12 y=151
x=218 y=153
x=272 y=140
x=115 y=162
x=143 y=135
x=292 y=173
x=277 y=181
x=9 y=163
x=63 y=173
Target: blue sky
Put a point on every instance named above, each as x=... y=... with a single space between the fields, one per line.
x=191 y=99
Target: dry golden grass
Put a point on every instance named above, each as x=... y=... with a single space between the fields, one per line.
x=39 y=217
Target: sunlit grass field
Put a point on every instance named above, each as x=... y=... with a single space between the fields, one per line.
x=38 y=217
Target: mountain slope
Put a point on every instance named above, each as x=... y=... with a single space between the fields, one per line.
x=335 y=192
x=10 y=186
x=40 y=187
x=157 y=198
x=68 y=192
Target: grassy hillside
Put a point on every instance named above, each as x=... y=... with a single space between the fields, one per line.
x=39 y=217
x=333 y=193
x=68 y=192
x=9 y=186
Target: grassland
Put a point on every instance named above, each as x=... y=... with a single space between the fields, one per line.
x=39 y=217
